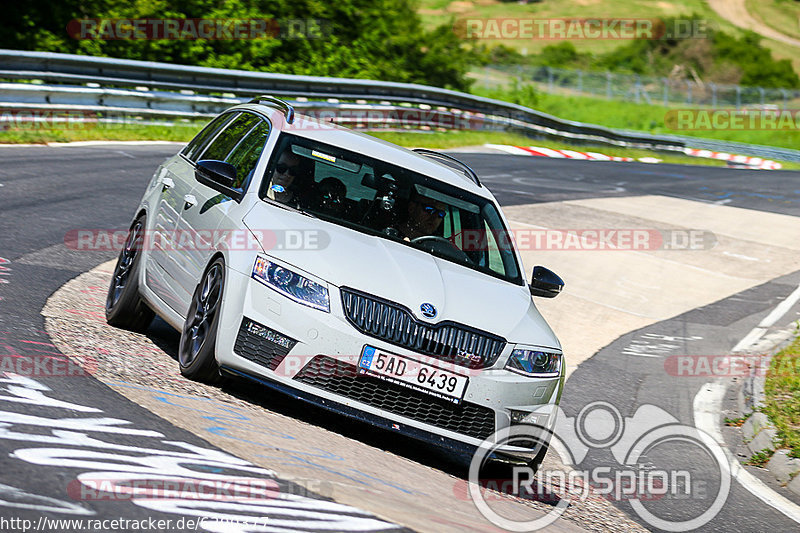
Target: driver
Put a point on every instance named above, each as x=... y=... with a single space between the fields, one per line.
x=289 y=178
x=424 y=216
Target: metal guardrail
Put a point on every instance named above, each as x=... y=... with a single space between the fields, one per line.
x=150 y=89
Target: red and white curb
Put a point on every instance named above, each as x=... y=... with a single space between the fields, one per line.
x=560 y=154
x=756 y=162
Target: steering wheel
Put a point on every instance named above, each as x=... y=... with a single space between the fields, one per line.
x=442 y=245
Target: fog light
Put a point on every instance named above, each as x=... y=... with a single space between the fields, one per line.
x=526 y=417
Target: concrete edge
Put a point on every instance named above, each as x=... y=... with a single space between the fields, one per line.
x=758 y=431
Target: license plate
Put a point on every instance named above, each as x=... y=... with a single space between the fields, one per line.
x=413 y=374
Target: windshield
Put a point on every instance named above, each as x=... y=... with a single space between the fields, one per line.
x=378 y=198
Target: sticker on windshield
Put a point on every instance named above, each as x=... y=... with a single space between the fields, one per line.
x=326 y=157
x=278 y=188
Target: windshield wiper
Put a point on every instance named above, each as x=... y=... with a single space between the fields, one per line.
x=290 y=208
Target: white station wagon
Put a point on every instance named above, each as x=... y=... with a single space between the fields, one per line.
x=371 y=280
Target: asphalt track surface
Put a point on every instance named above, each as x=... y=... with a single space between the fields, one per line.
x=47 y=191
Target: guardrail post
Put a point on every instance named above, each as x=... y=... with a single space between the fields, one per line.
x=738 y=97
x=608 y=84
x=580 y=81
x=549 y=79
x=762 y=92
x=665 y=81
x=637 y=85
x=688 y=92
x=785 y=96
x=713 y=94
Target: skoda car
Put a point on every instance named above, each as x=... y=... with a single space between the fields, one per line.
x=368 y=279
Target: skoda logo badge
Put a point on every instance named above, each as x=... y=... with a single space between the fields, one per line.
x=428 y=310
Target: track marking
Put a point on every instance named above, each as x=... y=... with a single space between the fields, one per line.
x=757 y=332
x=707 y=406
x=740 y=256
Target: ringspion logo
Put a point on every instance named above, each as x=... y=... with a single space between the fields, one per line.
x=680 y=496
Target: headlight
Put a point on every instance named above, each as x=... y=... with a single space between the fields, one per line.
x=291 y=284
x=535 y=363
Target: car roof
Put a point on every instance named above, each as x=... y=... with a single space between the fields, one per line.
x=356 y=141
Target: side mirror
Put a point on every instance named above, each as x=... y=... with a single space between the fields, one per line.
x=545 y=283
x=218 y=175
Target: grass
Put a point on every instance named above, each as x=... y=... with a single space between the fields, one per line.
x=183 y=132
x=44 y=133
x=438 y=12
x=760 y=458
x=737 y=422
x=780 y=15
x=453 y=139
x=782 y=390
x=633 y=116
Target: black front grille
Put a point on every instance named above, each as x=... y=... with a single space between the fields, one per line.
x=261 y=344
x=394 y=323
x=343 y=379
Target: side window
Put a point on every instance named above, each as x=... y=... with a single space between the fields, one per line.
x=240 y=144
x=232 y=135
x=196 y=145
x=245 y=155
x=495 y=259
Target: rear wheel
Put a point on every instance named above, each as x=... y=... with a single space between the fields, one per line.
x=124 y=306
x=196 y=353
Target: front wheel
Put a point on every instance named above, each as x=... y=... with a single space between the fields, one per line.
x=124 y=307
x=196 y=354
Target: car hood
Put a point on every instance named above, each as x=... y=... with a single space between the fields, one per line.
x=399 y=273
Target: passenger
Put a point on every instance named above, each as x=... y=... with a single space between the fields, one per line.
x=289 y=175
x=423 y=217
x=330 y=197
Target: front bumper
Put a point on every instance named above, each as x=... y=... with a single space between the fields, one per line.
x=319 y=366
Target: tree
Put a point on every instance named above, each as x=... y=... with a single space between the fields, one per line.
x=375 y=39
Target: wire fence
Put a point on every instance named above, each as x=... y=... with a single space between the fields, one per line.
x=639 y=89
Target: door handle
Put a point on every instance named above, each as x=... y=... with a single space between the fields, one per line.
x=167 y=183
x=189 y=201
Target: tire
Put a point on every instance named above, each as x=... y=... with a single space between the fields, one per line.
x=196 y=353
x=124 y=306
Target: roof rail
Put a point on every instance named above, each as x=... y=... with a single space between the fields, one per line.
x=433 y=154
x=277 y=103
